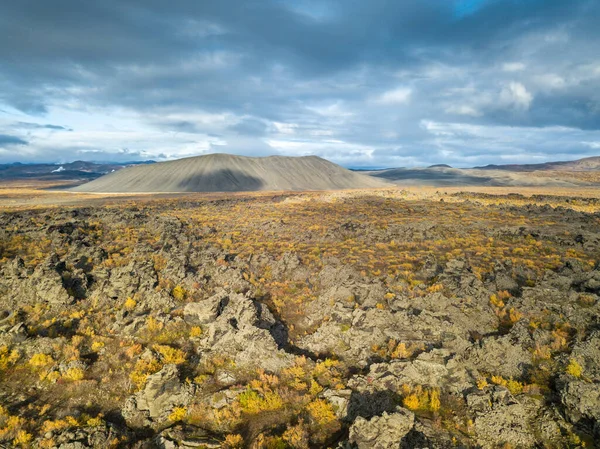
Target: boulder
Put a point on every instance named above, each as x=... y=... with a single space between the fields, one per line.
x=504 y=425
x=163 y=392
x=382 y=432
x=499 y=356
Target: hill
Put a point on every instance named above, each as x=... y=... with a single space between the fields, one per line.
x=585 y=164
x=229 y=173
x=77 y=171
x=582 y=172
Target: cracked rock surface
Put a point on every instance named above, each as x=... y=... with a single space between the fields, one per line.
x=350 y=320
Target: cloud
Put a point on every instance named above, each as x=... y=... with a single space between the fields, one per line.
x=550 y=81
x=400 y=95
x=6 y=141
x=507 y=144
x=353 y=81
x=26 y=125
x=515 y=95
x=513 y=66
x=250 y=127
x=463 y=110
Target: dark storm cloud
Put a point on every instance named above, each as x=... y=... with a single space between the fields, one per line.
x=6 y=141
x=348 y=79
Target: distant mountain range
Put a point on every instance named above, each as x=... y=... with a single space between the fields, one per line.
x=582 y=172
x=72 y=171
x=588 y=163
x=222 y=172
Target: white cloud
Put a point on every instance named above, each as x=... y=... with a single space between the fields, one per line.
x=550 y=81
x=400 y=95
x=516 y=96
x=507 y=144
x=463 y=110
x=118 y=135
x=336 y=109
x=513 y=67
x=334 y=149
x=594 y=145
x=285 y=128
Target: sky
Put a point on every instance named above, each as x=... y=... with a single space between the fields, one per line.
x=377 y=83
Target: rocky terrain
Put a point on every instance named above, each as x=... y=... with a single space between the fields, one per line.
x=368 y=319
x=229 y=173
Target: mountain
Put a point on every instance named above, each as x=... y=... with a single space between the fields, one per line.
x=72 y=171
x=229 y=173
x=586 y=164
x=582 y=172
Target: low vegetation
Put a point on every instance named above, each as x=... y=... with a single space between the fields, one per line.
x=281 y=321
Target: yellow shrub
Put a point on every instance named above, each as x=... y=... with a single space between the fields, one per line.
x=133 y=350
x=435 y=288
x=574 y=368
x=513 y=386
x=321 y=412
x=11 y=427
x=22 y=439
x=401 y=352
x=296 y=436
x=154 y=325
x=542 y=352
x=52 y=376
x=178 y=414
x=195 y=331
x=77 y=315
x=315 y=388
x=94 y=422
x=233 y=441
x=170 y=355
x=97 y=345
x=179 y=293
x=73 y=374
x=130 y=303
x=71 y=353
x=514 y=315
x=499 y=380
x=561 y=337
x=59 y=424
x=143 y=368
x=496 y=302
x=434 y=400
x=419 y=398
x=586 y=300
x=40 y=360
x=252 y=402
x=47 y=443
x=8 y=358
x=504 y=295
x=411 y=402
